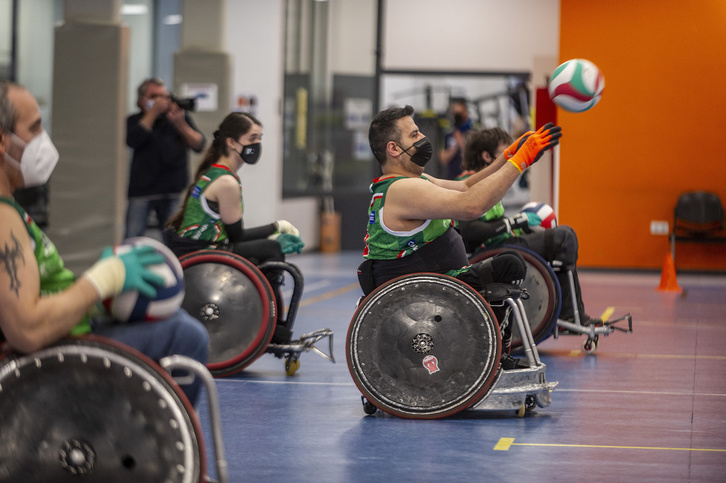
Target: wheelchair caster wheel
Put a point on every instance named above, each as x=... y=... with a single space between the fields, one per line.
x=291 y=366
x=368 y=408
x=521 y=411
x=530 y=402
x=589 y=346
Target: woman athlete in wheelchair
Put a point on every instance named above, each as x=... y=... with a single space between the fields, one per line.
x=214 y=247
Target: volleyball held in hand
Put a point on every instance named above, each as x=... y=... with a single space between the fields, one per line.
x=576 y=85
x=541 y=216
x=134 y=307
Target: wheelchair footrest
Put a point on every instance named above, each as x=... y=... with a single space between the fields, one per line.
x=514 y=386
x=305 y=343
x=498 y=292
x=606 y=328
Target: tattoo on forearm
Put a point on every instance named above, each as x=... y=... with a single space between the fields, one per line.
x=10 y=256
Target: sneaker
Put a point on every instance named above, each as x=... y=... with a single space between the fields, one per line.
x=509 y=363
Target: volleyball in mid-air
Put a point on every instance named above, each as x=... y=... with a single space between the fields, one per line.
x=544 y=218
x=576 y=85
x=132 y=306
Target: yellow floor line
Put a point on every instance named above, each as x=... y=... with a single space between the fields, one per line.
x=505 y=443
x=608 y=312
x=329 y=295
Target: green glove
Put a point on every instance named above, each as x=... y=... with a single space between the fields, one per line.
x=114 y=274
x=532 y=218
x=138 y=277
x=290 y=243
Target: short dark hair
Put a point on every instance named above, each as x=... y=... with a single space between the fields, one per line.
x=480 y=141
x=384 y=128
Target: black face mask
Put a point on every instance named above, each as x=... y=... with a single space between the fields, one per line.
x=250 y=154
x=459 y=119
x=424 y=151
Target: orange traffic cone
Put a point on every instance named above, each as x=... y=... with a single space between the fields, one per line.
x=668 y=280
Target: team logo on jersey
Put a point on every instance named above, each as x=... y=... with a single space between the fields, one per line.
x=372 y=218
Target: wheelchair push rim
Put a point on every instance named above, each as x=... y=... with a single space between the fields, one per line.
x=92 y=408
x=423 y=346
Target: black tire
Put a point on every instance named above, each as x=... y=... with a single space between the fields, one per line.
x=423 y=346
x=233 y=299
x=94 y=408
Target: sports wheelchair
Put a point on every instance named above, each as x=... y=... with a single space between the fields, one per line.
x=545 y=300
x=234 y=300
x=427 y=346
x=95 y=410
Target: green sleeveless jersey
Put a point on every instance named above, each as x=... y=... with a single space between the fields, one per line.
x=54 y=277
x=200 y=221
x=496 y=212
x=381 y=242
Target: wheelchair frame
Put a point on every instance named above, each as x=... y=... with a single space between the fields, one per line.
x=77 y=456
x=517 y=389
x=289 y=350
x=563 y=327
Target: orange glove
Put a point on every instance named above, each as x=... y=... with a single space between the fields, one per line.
x=535 y=145
x=512 y=150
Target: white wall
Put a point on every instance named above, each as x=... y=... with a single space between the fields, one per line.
x=353 y=37
x=141 y=52
x=473 y=35
x=35 y=52
x=255 y=39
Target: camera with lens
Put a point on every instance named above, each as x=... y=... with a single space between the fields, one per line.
x=186 y=103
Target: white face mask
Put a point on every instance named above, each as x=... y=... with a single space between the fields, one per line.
x=37 y=161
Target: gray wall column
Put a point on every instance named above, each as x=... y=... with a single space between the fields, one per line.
x=90 y=75
x=202 y=62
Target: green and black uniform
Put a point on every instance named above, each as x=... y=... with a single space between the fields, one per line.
x=54 y=277
x=491 y=233
x=203 y=228
x=435 y=246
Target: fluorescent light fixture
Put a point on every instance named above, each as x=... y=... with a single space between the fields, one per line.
x=134 y=9
x=172 y=20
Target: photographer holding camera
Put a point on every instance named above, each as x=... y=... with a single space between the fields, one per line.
x=160 y=136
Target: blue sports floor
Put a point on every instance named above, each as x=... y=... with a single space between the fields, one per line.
x=646 y=406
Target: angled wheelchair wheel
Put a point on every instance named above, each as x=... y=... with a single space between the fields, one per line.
x=235 y=302
x=545 y=296
x=94 y=410
x=423 y=346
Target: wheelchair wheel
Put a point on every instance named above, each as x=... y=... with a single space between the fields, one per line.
x=545 y=296
x=86 y=409
x=423 y=346
x=234 y=301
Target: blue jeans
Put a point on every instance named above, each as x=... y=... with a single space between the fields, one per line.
x=179 y=334
x=137 y=212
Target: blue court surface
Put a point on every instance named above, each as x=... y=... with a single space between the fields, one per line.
x=646 y=406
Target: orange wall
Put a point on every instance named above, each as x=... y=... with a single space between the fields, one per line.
x=659 y=130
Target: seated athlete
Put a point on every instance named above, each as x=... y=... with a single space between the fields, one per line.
x=558 y=245
x=410 y=217
x=211 y=216
x=40 y=300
